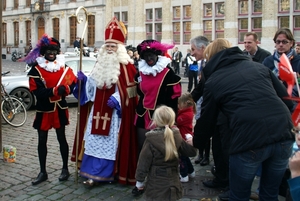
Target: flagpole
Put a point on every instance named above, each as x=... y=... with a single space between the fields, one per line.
x=297 y=84
x=79 y=20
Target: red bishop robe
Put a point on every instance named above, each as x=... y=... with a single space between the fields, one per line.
x=102 y=114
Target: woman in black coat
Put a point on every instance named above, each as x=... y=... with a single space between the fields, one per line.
x=251 y=97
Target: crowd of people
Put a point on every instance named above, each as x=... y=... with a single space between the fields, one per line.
x=137 y=127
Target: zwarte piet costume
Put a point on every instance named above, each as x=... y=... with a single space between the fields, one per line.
x=157 y=84
x=51 y=107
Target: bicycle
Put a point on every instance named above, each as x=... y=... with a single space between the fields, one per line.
x=13 y=110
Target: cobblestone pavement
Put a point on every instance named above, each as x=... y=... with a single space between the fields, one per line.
x=15 y=178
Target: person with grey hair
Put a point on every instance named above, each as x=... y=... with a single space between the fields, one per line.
x=221 y=131
x=198 y=44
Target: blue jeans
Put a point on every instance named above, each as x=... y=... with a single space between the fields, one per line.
x=243 y=167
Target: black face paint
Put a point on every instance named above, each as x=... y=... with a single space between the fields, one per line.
x=50 y=54
x=150 y=58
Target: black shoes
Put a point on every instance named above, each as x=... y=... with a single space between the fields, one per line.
x=136 y=191
x=201 y=160
x=64 y=175
x=44 y=176
x=40 y=178
x=198 y=159
x=213 y=184
x=224 y=196
x=204 y=161
x=213 y=170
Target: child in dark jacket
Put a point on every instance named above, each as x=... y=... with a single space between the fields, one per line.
x=157 y=169
x=184 y=121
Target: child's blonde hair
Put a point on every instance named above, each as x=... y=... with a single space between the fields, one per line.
x=188 y=100
x=164 y=116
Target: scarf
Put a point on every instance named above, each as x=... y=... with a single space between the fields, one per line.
x=276 y=57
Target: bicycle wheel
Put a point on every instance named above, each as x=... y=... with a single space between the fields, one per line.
x=13 y=111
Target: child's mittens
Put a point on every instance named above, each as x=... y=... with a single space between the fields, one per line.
x=189 y=139
x=139 y=185
x=188 y=136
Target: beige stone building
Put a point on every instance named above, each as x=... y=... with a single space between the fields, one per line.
x=169 y=21
x=25 y=21
x=178 y=20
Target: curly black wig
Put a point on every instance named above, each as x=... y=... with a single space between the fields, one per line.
x=54 y=45
x=154 y=47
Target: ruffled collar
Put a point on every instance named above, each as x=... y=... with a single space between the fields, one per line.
x=51 y=66
x=160 y=65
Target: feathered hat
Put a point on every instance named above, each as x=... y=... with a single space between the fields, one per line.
x=44 y=44
x=115 y=31
x=153 y=46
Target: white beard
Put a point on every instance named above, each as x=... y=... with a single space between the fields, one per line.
x=106 y=71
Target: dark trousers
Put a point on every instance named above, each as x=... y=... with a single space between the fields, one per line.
x=220 y=149
x=204 y=153
x=193 y=77
x=141 y=136
x=176 y=67
x=42 y=147
x=186 y=70
x=186 y=166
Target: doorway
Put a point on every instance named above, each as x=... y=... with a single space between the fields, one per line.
x=41 y=27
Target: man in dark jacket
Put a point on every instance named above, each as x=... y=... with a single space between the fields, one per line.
x=251 y=97
x=176 y=59
x=284 y=43
x=252 y=49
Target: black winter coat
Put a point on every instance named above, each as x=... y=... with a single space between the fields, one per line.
x=250 y=96
x=260 y=55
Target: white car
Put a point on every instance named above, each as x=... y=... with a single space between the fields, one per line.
x=18 y=85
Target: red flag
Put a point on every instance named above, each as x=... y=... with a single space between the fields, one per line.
x=296 y=115
x=67 y=77
x=286 y=73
